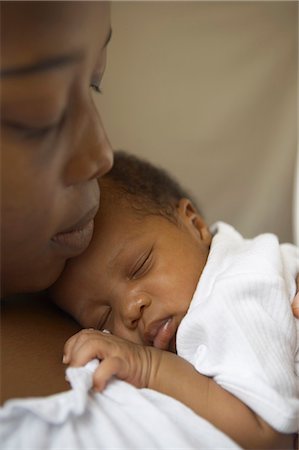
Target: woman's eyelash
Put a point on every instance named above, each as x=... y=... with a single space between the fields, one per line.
x=29 y=132
x=96 y=88
x=35 y=132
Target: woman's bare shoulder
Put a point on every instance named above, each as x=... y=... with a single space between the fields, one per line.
x=33 y=333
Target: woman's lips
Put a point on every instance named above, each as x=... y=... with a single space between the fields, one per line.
x=75 y=239
x=160 y=333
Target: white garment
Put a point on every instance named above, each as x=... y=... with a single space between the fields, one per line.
x=239 y=328
x=122 y=417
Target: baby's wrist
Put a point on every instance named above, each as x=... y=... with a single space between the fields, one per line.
x=154 y=358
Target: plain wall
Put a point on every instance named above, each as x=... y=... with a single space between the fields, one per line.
x=209 y=91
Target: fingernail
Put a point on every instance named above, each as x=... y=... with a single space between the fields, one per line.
x=64 y=359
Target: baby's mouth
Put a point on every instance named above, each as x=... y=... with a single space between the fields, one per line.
x=161 y=333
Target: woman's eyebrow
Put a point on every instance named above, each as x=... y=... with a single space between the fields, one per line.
x=49 y=63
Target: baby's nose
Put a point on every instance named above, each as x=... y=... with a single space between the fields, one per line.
x=133 y=310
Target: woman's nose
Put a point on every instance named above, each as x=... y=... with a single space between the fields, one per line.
x=92 y=154
x=133 y=309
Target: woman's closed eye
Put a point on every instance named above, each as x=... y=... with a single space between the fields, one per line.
x=142 y=265
x=28 y=131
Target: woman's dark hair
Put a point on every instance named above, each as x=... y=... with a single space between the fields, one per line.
x=150 y=189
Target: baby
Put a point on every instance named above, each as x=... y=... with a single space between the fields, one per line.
x=197 y=313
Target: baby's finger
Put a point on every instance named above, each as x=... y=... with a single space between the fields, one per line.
x=74 y=343
x=85 y=350
x=68 y=348
x=108 y=368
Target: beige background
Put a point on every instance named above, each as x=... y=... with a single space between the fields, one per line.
x=208 y=90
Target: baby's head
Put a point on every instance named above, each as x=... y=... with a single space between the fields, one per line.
x=149 y=247
x=148 y=189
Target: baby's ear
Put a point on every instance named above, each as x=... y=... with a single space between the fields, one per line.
x=193 y=220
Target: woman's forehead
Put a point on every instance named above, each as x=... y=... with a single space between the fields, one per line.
x=37 y=31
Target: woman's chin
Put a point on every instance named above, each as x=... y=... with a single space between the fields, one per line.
x=32 y=280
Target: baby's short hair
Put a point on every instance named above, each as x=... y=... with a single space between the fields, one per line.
x=150 y=189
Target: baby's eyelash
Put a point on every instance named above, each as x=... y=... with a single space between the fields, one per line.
x=142 y=265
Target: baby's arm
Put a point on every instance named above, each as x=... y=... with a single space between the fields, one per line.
x=168 y=373
x=212 y=402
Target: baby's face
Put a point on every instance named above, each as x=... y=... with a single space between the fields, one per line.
x=138 y=275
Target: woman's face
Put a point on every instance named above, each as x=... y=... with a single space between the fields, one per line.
x=53 y=144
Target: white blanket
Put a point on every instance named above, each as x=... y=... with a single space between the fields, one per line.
x=122 y=417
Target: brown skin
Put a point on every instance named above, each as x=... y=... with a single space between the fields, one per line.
x=33 y=331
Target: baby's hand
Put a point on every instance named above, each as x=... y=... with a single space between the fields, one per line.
x=125 y=360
